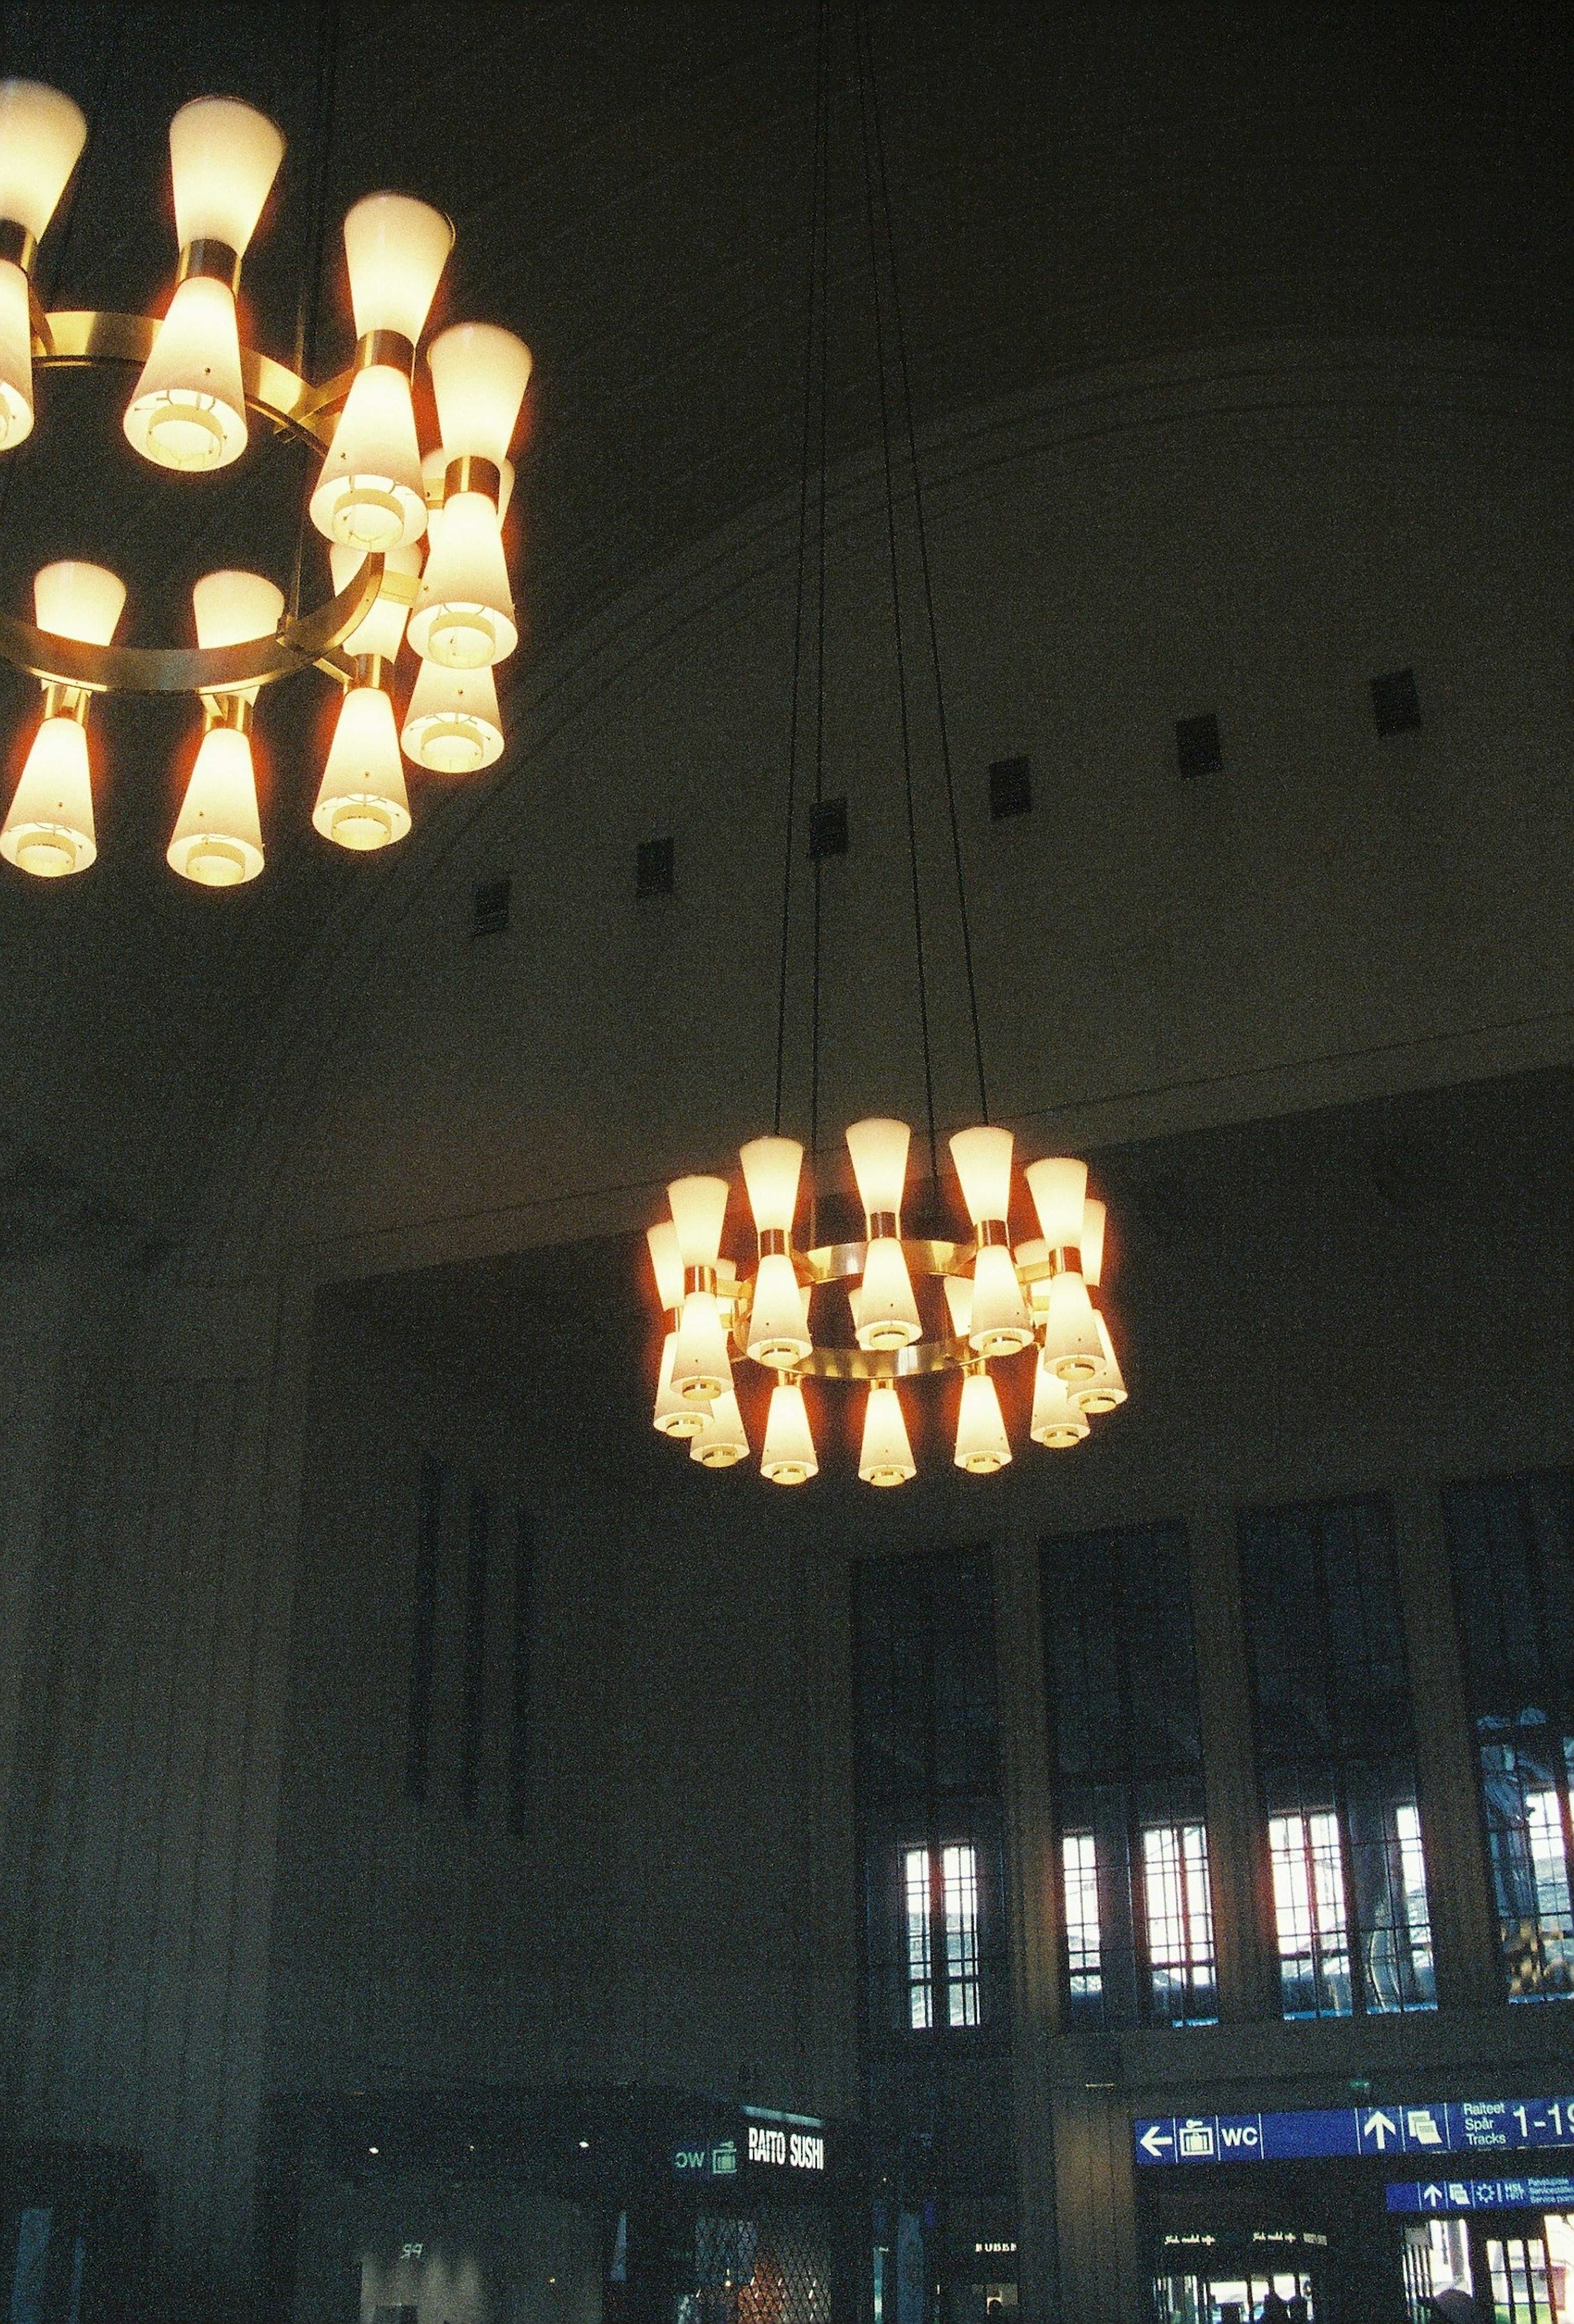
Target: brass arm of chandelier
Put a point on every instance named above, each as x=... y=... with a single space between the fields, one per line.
x=193 y=670
x=84 y=335
x=886 y=1364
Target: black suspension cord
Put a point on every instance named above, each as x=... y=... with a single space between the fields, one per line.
x=945 y=739
x=819 y=638
x=816 y=233
x=859 y=36
x=309 y=300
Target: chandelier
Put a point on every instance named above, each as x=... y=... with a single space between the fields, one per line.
x=865 y=1309
x=416 y=546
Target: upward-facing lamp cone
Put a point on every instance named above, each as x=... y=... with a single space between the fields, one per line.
x=42 y=133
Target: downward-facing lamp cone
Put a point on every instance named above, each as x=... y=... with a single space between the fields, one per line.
x=1001 y=1324
x=886 y=1455
x=789 y=1455
x=49 y=830
x=370 y=493
x=189 y=408
x=464 y=611
x=778 y=1318
x=982 y=1443
x=452 y=726
x=701 y=1367
x=363 y=803
x=672 y=1416
x=888 y=1315
x=218 y=839
x=722 y=1442
x=1056 y=1421
x=42 y=134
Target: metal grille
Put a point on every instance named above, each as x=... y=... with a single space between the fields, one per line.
x=771 y=2270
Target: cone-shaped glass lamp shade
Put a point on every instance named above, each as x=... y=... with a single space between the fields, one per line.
x=1108 y=1390
x=959 y=1300
x=666 y=1265
x=478 y=374
x=363 y=803
x=698 y=1213
x=71 y=599
x=369 y=492
x=982 y=1443
x=397 y=249
x=788 y=1457
x=233 y=607
x=983 y=1160
x=1092 y=1221
x=701 y=1367
x=224 y=157
x=772 y=1167
x=1000 y=1323
x=218 y=839
x=879 y=1152
x=885 y=1457
x=382 y=631
x=721 y=1443
x=778 y=1319
x=48 y=831
x=673 y=1415
x=888 y=1315
x=453 y=725
x=464 y=613
x=1056 y=1422
x=1059 y=1186
x=42 y=133
x=15 y=356
x=189 y=408
x=1072 y=1347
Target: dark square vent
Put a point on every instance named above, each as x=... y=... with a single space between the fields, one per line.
x=653 y=868
x=1396 y=703
x=1010 y=788
x=1198 y=749
x=827 y=829
x=489 y=906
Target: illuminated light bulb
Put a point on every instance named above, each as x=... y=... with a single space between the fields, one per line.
x=1059 y=1186
x=885 y=1457
x=1092 y=1243
x=1072 y=1347
x=1001 y=1324
x=674 y=1416
x=453 y=725
x=666 y=1264
x=779 y=1318
x=363 y=803
x=464 y=613
x=48 y=831
x=721 y=1442
x=982 y=1443
x=1108 y=1390
x=887 y=1316
x=370 y=493
x=381 y=631
x=42 y=134
x=788 y=1457
x=187 y=410
x=1056 y=1420
x=218 y=839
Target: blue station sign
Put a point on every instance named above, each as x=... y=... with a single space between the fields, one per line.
x=1439 y=2196
x=1437 y=2127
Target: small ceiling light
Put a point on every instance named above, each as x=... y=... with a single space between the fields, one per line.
x=48 y=831
x=363 y=803
x=371 y=493
x=888 y=1315
x=464 y=611
x=1001 y=1325
x=451 y=725
x=721 y=1443
x=701 y=1367
x=789 y=1456
x=41 y=136
x=778 y=1316
x=189 y=407
x=1056 y=1422
x=982 y=1443
x=885 y=1457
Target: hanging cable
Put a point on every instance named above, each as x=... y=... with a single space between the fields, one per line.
x=309 y=299
x=945 y=740
x=864 y=118
x=816 y=260
x=820 y=628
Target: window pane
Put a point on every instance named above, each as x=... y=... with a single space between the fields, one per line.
x=1309 y=1911
x=1180 y=1918
x=959 y=1868
x=1080 y=1865
x=1530 y=1870
x=920 y=1972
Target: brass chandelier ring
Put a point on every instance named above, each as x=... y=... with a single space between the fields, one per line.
x=840 y=1262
